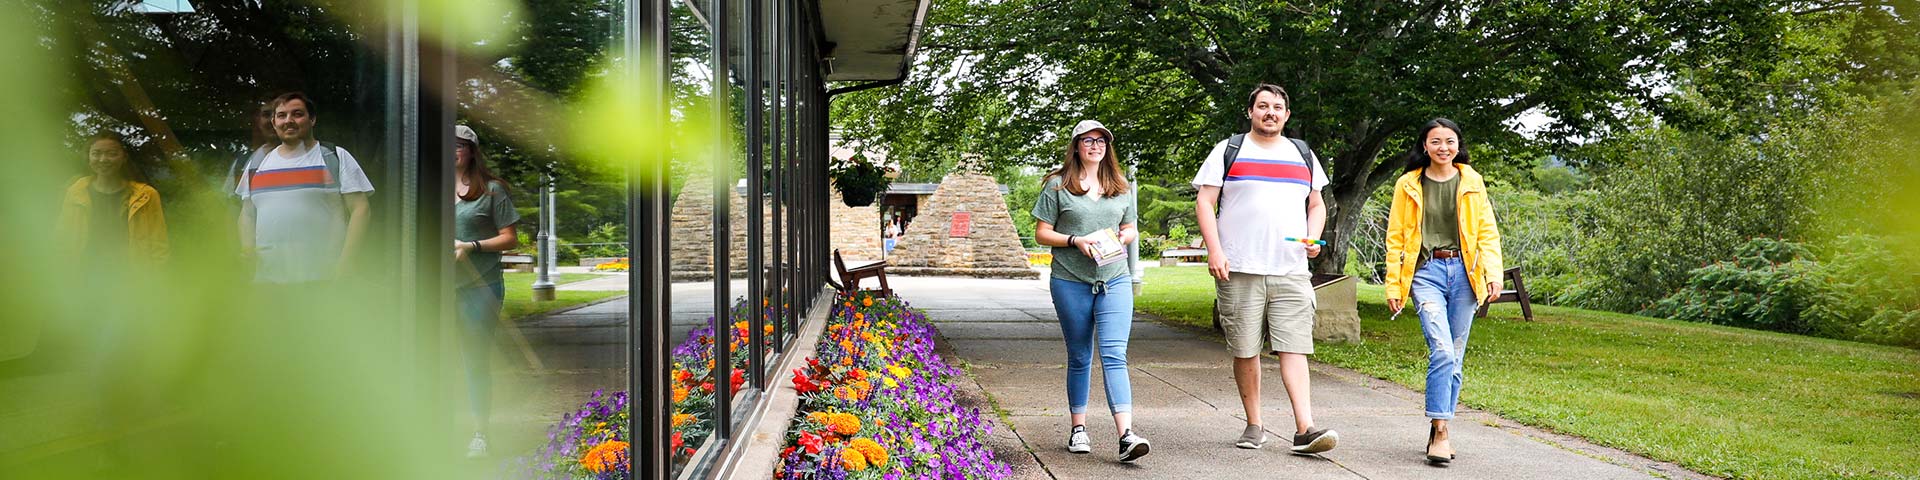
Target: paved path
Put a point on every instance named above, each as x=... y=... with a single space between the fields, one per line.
x=1185 y=401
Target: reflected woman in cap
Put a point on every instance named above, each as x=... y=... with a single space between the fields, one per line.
x=482 y=228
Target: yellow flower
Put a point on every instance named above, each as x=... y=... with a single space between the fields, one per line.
x=890 y=383
x=874 y=453
x=843 y=423
x=899 y=371
x=818 y=417
x=853 y=460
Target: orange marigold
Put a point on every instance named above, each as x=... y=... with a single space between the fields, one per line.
x=867 y=302
x=818 y=417
x=605 y=457
x=853 y=460
x=679 y=394
x=843 y=423
x=876 y=454
x=681 y=419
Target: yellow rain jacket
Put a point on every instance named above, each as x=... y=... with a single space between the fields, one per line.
x=1479 y=236
x=146 y=223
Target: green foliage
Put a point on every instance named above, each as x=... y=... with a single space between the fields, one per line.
x=858 y=178
x=1023 y=190
x=1165 y=209
x=1769 y=285
x=605 y=241
x=1538 y=233
x=1669 y=201
x=1170 y=78
x=1861 y=292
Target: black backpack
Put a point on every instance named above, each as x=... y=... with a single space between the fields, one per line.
x=1233 y=153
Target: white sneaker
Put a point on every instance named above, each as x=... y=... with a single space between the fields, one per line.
x=478 y=447
x=1078 y=443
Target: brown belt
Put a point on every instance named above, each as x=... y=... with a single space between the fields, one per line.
x=1444 y=253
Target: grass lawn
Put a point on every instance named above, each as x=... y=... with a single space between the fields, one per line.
x=1721 y=401
x=519 y=302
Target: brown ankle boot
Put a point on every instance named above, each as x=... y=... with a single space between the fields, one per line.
x=1439 y=450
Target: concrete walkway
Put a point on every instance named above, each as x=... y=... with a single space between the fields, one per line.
x=1186 y=403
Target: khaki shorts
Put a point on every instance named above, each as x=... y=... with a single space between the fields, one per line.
x=1281 y=306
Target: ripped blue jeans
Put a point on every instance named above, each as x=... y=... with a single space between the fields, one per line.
x=1443 y=296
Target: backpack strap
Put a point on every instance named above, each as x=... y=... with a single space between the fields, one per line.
x=1306 y=155
x=1227 y=157
x=330 y=154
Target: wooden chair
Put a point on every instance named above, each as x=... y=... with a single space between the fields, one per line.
x=1518 y=293
x=850 y=277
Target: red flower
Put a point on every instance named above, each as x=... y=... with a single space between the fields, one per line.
x=677 y=441
x=802 y=384
x=708 y=386
x=739 y=377
x=813 y=442
x=786 y=453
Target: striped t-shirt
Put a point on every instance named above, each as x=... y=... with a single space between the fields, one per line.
x=1265 y=202
x=300 y=220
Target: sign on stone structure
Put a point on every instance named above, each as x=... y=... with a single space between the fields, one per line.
x=962 y=225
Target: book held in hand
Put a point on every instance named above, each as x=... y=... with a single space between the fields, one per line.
x=1106 y=247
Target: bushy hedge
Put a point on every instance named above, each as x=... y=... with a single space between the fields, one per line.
x=1861 y=291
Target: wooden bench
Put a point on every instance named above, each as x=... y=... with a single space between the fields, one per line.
x=516 y=262
x=1182 y=254
x=850 y=277
x=1517 y=294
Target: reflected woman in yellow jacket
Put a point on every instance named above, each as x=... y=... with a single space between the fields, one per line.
x=1443 y=251
x=111 y=218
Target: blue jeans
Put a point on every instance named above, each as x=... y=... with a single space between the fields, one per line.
x=1444 y=297
x=479 y=307
x=1090 y=312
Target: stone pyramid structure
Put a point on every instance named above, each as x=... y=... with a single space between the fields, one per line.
x=963 y=230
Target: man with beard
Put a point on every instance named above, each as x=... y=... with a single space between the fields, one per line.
x=304 y=206
x=1266 y=190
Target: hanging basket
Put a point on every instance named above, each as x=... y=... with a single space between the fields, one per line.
x=856 y=197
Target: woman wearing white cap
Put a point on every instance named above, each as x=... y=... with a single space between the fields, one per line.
x=483 y=218
x=1086 y=213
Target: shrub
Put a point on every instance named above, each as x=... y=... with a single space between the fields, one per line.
x=1861 y=292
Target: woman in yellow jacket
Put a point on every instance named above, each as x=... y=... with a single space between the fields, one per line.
x=1443 y=249
x=109 y=218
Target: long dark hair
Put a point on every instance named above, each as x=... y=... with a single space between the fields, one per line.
x=1113 y=181
x=479 y=178
x=1417 y=156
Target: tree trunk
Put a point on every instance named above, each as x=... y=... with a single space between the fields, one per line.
x=1344 y=204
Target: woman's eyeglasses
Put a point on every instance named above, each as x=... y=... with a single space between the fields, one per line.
x=1091 y=141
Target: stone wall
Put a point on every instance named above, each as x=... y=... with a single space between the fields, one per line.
x=692 y=236
x=855 y=230
x=990 y=248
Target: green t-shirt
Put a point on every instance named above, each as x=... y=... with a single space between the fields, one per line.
x=1439 y=219
x=1080 y=215
x=481 y=219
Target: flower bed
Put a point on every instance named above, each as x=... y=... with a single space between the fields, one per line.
x=592 y=442
x=876 y=402
x=620 y=265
